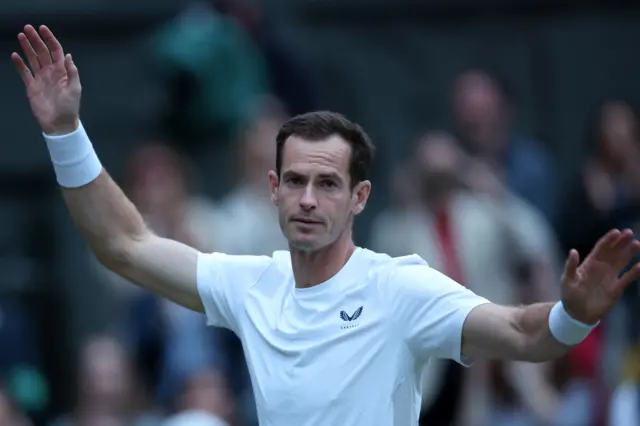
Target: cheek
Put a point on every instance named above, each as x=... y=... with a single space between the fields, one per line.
x=339 y=207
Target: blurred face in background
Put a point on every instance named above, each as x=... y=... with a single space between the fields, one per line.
x=481 y=113
x=156 y=179
x=618 y=132
x=105 y=378
x=439 y=162
x=8 y=413
x=207 y=391
x=259 y=147
x=314 y=194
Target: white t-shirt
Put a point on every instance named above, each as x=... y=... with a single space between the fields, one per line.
x=349 y=351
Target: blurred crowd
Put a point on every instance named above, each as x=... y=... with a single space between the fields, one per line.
x=480 y=202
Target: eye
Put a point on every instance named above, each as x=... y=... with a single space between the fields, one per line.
x=329 y=183
x=293 y=180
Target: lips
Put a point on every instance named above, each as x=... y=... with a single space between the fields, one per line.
x=306 y=220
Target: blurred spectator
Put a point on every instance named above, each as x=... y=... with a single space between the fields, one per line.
x=161 y=183
x=625 y=402
x=214 y=72
x=19 y=358
x=169 y=340
x=461 y=223
x=204 y=400
x=290 y=80
x=483 y=108
x=10 y=414
x=607 y=192
x=249 y=201
x=107 y=391
x=605 y=195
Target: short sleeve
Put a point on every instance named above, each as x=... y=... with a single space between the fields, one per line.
x=222 y=282
x=430 y=309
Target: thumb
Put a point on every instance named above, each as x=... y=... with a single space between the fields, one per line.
x=571 y=265
x=72 y=71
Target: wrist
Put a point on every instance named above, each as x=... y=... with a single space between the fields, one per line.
x=61 y=129
x=592 y=322
x=565 y=328
x=75 y=162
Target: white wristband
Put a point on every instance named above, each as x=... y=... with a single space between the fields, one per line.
x=74 y=160
x=566 y=329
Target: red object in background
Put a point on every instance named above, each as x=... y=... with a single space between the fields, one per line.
x=584 y=358
x=452 y=267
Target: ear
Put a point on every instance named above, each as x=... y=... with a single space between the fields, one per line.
x=274 y=182
x=360 y=196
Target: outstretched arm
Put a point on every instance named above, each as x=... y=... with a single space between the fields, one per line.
x=110 y=223
x=545 y=331
x=121 y=241
x=499 y=332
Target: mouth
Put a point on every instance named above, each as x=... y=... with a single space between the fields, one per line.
x=306 y=220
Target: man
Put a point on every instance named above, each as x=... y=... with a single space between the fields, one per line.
x=459 y=228
x=484 y=109
x=334 y=334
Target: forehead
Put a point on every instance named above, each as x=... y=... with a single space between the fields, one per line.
x=617 y=111
x=329 y=155
x=476 y=87
x=438 y=150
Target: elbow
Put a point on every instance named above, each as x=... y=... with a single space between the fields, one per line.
x=119 y=254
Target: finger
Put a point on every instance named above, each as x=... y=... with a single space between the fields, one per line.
x=626 y=254
x=32 y=56
x=620 y=252
x=21 y=67
x=571 y=265
x=44 y=57
x=72 y=71
x=627 y=278
x=606 y=241
x=57 y=54
x=623 y=241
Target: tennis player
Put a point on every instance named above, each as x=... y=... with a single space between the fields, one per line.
x=334 y=334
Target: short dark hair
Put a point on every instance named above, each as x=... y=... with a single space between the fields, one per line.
x=319 y=125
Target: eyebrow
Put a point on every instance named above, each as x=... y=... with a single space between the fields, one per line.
x=331 y=175
x=328 y=175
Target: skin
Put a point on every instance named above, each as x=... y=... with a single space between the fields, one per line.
x=316 y=206
x=118 y=236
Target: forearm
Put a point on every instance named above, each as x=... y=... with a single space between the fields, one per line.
x=105 y=217
x=537 y=342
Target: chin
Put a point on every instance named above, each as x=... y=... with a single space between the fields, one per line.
x=304 y=242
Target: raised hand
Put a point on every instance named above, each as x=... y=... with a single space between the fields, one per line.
x=52 y=80
x=589 y=290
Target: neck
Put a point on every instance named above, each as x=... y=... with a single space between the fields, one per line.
x=311 y=268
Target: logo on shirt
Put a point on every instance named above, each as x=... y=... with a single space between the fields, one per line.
x=348 y=318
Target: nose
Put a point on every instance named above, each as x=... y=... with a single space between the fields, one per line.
x=308 y=201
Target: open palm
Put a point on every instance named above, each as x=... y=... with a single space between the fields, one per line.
x=590 y=289
x=51 y=79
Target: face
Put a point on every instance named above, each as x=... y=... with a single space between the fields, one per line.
x=480 y=111
x=104 y=374
x=259 y=149
x=618 y=130
x=439 y=160
x=315 y=201
x=157 y=183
